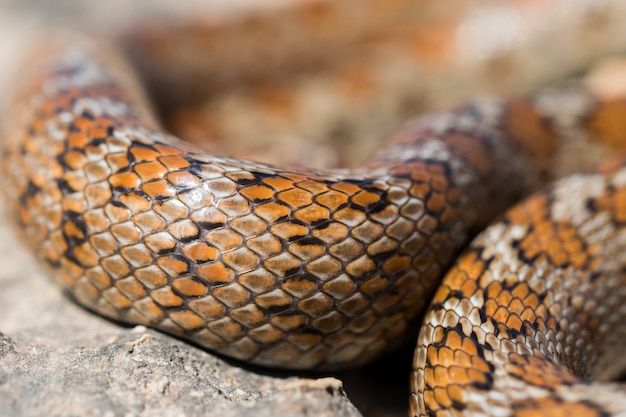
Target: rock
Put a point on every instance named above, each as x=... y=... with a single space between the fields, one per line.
x=137 y=372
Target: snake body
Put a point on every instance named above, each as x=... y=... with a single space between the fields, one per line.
x=276 y=267
x=533 y=310
x=309 y=269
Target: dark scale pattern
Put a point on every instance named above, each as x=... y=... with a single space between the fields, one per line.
x=533 y=310
x=280 y=268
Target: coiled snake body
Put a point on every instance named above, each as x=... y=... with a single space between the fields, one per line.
x=325 y=270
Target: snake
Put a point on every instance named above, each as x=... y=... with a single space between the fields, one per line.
x=313 y=269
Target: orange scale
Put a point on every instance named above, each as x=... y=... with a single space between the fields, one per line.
x=479 y=364
x=278 y=183
x=365 y=198
x=493 y=290
x=215 y=273
x=98 y=194
x=172 y=266
x=468 y=288
x=514 y=322
x=167 y=150
x=331 y=199
x=174 y=162
x=104 y=243
x=75 y=160
x=137 y=255
x=116 y=266
x=97 y=132
x=72 y=230
x=289 y=231
x=528 y=314
x=444 y=356
x=77 y=140
x=516 y=306
x=501 y=315
x=429 y=400
x=189 y=287
x=298 y=287
x=312 y=213
x=307 y=252
x=469 y=346
x=165 y=297
x=257 y=193
x=86 y=254
x=74 y=203
x=199 y=252
x=151 y=170
x=441 y=397
x=272 y=211
x=124 y=180
x=295 y=197
x=141 y=153
x=159 y=189
x=274 y=299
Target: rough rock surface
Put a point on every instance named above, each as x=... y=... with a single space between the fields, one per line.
x=139 y=373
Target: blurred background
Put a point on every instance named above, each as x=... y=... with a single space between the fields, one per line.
x=319 y=82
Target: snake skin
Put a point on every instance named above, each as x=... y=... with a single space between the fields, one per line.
x=533 y=310
x=280 y=268
x=329 y=269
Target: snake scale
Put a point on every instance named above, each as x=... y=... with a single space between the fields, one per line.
x=327 y=269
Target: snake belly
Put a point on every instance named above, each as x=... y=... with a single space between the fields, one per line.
x=308 y=269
